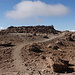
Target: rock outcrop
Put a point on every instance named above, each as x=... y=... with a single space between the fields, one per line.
x=30 y=29
x=57 y=65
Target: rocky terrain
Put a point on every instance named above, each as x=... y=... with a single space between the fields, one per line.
x=37 y=50
x=30 y=29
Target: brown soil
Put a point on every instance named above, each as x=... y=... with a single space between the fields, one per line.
x=37 y=54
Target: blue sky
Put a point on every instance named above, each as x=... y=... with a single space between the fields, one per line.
x=20 y=18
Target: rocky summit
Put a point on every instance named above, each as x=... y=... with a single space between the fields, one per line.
x=31 y=29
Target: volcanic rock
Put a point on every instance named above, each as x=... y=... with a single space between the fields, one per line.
x=35 y=48
x=57 y=65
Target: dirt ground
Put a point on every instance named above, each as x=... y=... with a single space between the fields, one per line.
x=27 y=54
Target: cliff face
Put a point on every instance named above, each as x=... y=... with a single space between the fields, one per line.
x=31 y=29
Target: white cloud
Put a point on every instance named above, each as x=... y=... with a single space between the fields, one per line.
x=72 y=30
x=28 y=9
x=1 y=28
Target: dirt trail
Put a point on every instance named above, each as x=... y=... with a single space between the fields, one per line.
x=17 y=59
x=18 y=63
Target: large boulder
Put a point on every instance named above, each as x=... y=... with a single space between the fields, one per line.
x=73 y=37
x=57 y=65
x=59 y=43
x=35 y=48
